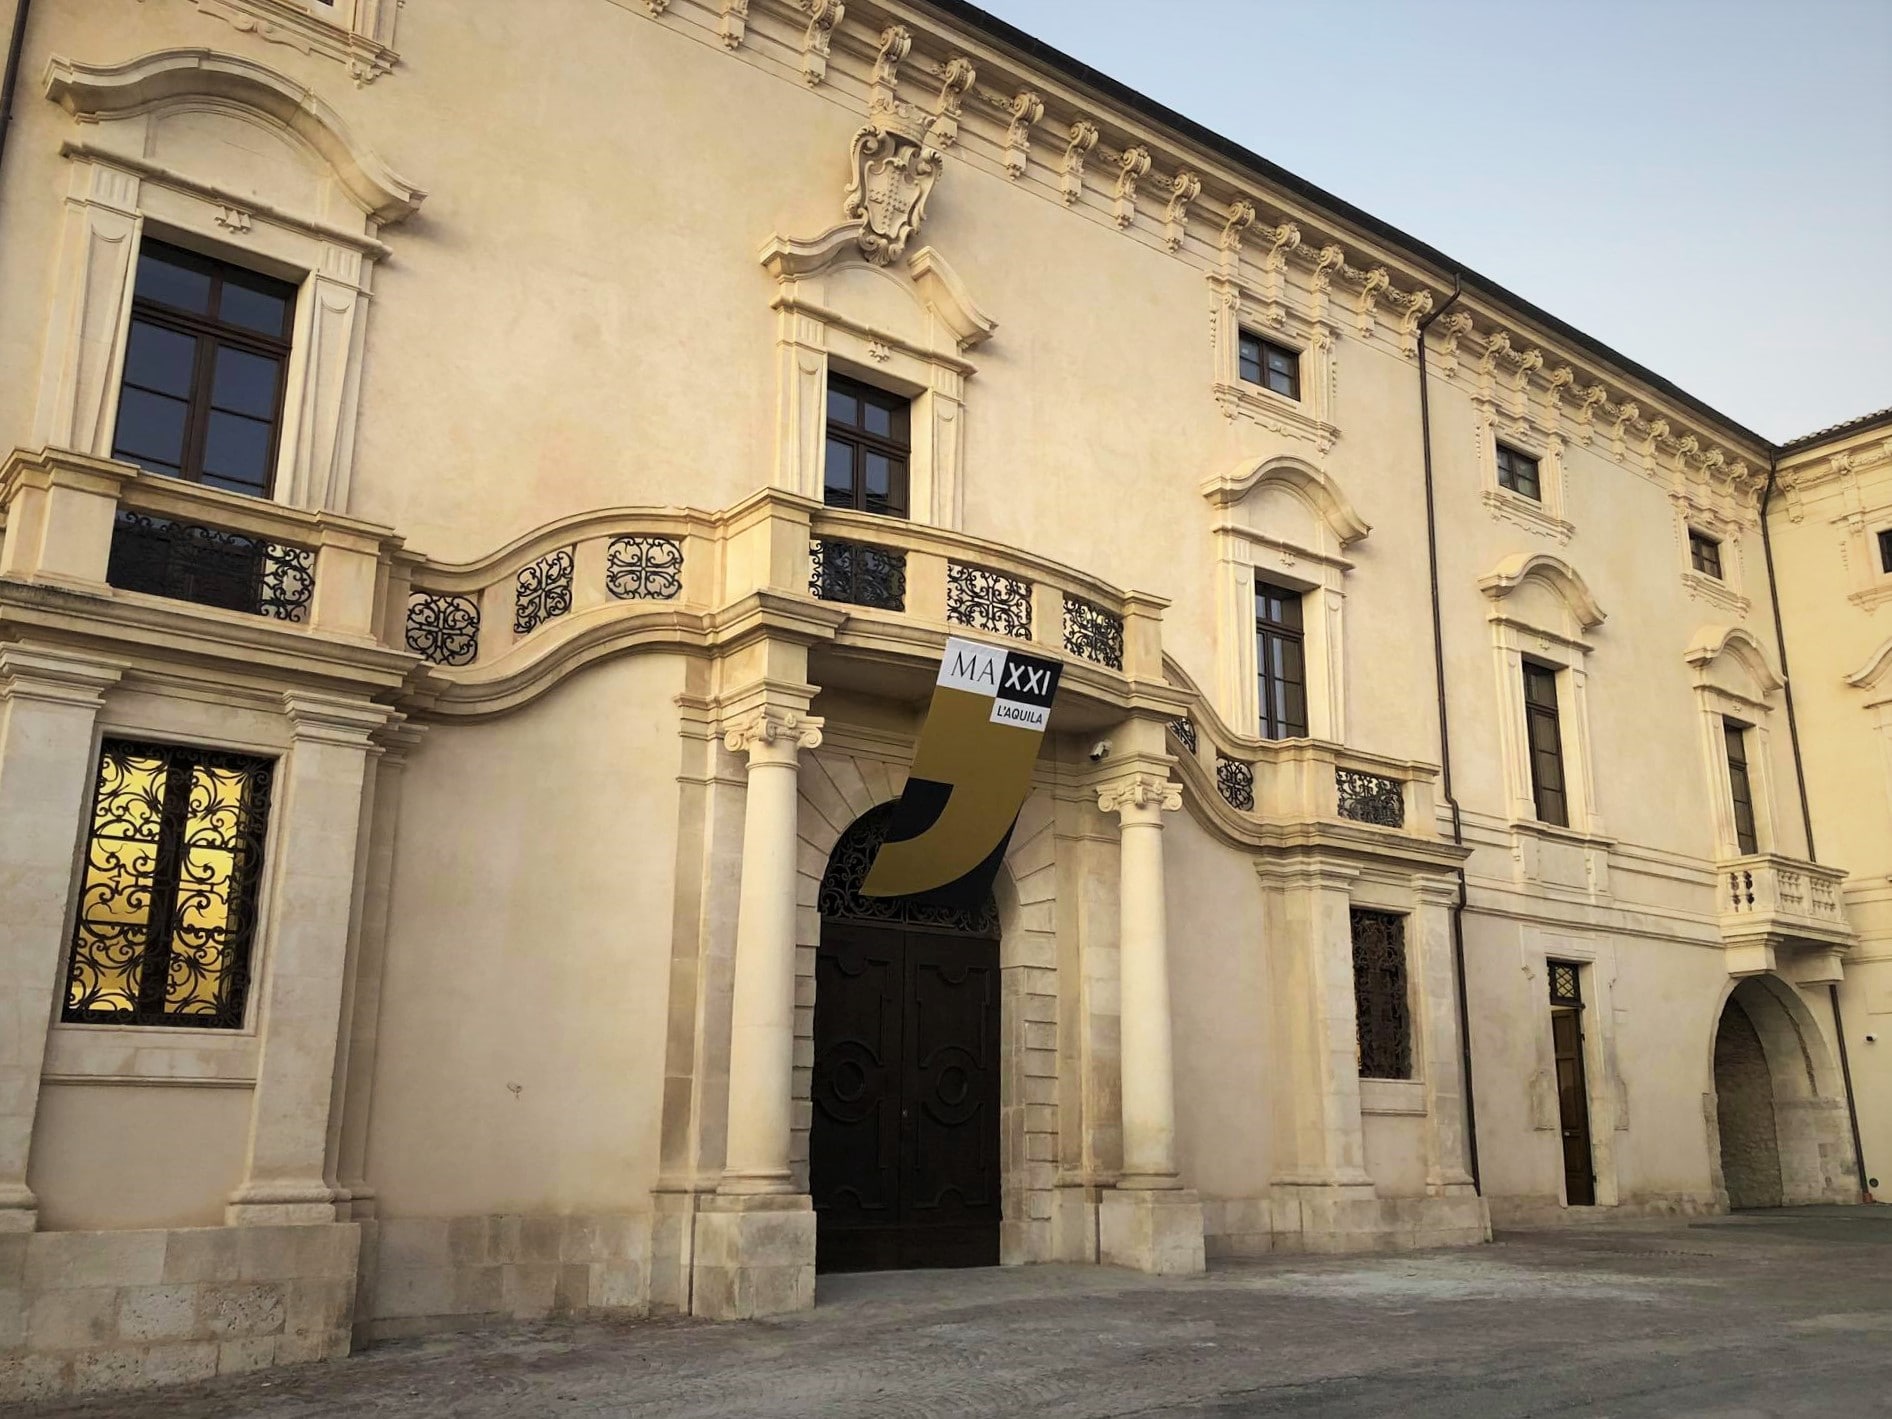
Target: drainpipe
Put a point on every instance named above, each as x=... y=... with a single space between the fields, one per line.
x=1806 y=816
x=16 y=45
x=1445 y=742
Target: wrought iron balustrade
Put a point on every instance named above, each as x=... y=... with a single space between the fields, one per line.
x=1371 y=798
x=1236 y=780
x=988 y=601
x=1093 y=633
x=1185 y=731
x=857 y=573
x=443 y=628
x=208 y=566
x=644 y=568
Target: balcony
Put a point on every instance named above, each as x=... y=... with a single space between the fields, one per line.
x=1781 y=913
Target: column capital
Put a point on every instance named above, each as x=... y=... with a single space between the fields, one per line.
x=1139 y=791
x=772 y=734
x=30 y=672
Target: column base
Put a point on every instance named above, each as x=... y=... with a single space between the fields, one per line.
x=19 y=1209
x=753 y=1255
x=1158 y=1231
x=283 y=1205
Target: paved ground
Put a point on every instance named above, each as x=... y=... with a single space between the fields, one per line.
x=1782 y=1313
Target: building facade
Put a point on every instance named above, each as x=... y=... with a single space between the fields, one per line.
x=486 y=492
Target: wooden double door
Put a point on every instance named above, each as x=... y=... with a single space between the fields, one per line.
x=904 y=1141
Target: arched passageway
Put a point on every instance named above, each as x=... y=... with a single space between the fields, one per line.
x=1779 y=1112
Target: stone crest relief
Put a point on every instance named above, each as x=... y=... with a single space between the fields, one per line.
x=895 y=166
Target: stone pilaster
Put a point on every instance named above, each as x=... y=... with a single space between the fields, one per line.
x=754 y=1251
x=49 y=704
x=300 y=1015
x=1148 y=1221
x=1442 y=1062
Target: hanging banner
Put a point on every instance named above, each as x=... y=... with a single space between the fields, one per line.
x=971 y=774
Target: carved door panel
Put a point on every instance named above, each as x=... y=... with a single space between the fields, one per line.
x=1573 y=1107
x=904 y=1142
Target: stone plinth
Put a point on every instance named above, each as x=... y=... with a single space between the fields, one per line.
x=754 y=1256
x=1153 y=1230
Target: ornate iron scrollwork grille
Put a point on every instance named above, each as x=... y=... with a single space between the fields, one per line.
x=1566 y=984
x=443 y=628
x=644 y=568
x=1236 y=779
x=853 y=855
x=1185 y=731
x=1379 y=995
x=1370 y=798
x=1094 y=633
x=207 y=566
x=857 y=573
x=988 y=601
x=542 y=591
x=167 y=904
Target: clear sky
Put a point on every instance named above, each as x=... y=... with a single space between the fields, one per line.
x=1705 y=185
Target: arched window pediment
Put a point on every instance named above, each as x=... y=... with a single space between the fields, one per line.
x=1523 y=570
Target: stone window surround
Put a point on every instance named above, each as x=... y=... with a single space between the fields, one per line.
x=1717 y=703
x=1241 y=307
x=1403 y=898
x=1597 y=965
x=1860 y=549
x=814 y=336
x=1729 y=591
x=358 y=33
x=1244 y=552
x=116 y=194
x=1515 y=638
x=1545 y=514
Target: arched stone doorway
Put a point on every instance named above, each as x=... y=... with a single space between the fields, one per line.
x=1780 y=1118
x=904 y=1140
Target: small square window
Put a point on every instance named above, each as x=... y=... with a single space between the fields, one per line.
x=1518 y=472
x=1885 y=550
x=1272 y=366
x=1704 y=554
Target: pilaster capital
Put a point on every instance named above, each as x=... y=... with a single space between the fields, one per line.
x=30 y=672
x=1306 y=874
x=329 y=719
x=1435 y=891
x=1146 y=791
x=772 y=734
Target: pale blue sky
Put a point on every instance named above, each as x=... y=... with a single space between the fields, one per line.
x=1705 y=185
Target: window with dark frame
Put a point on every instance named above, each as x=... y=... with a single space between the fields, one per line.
x=870 y=446
x=169 y=888
x=205 y=358
x=1545 y=743
x=1272 y=366
x=1280 y=661
x=1704 y=554
x=1518 y=472
x=1740 y=786
x=1382 y=1012
x=1885 y=550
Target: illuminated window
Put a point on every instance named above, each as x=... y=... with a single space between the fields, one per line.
x=167 y=906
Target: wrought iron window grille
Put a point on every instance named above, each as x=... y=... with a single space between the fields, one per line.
x=1185 y=731
x=857 y=573
x=1379 y=995
x=1236 y=779
x=988 y=601
x=1371 y=798
x=443 y=628
x=543 y=591
x=208 y=566
x=853 y=855
x=168 y=897
x=1093 y=633
x=1566 y=984
x=644 y=568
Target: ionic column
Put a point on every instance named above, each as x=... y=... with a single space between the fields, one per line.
x=762 y=1024
x=1147 y=1221
x=300 y=1017
x=49 y=702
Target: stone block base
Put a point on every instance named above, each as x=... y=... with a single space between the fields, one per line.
x=1151 y=1230
x=753 y=1256
x=1338 y=1220
x=1523 y=1211
x=89 y=1312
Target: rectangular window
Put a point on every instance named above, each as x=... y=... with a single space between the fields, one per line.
x=1280 y=661
x=1543 y=734
x=1739 y=784
x=1704 y=554
x=168 y=899
x=1885 y=550
x=869 y=446
x=204 y=362
x=1518 y=472
x=1270 y=365
x=1380 y=1007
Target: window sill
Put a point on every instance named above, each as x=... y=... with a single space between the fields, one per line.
x=126 y=1054
x=1874 y=595
x=1715 y=591
x=1527 y=513
x=1538 y=828
x=1393 y=1096
x=1275 y=412
x=289 y=23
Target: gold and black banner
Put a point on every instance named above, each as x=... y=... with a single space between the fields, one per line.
x=971 y=774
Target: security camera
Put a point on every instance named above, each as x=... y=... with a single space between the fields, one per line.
x=1100 y=751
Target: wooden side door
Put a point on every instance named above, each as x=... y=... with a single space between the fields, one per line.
x=1573 y=1105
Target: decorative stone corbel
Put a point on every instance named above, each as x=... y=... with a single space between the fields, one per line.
x=1027 y=109
x=1184 y=188
x=1626 y=416
x=1418 y=307
x=1132 y=164
x=1083 y=138
x=656 y=7
x=1588 y=402
x=1451 y=328
x=824 y=16
x=1366 y=311
x=955 y=79
x=1328 y=264
x=895 y=44
x=894 y=168
x=733 y=23
x=1241 y=216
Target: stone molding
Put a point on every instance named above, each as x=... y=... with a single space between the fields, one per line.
x=1140 y=794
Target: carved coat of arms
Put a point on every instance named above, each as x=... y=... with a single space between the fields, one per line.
x=893 y=173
